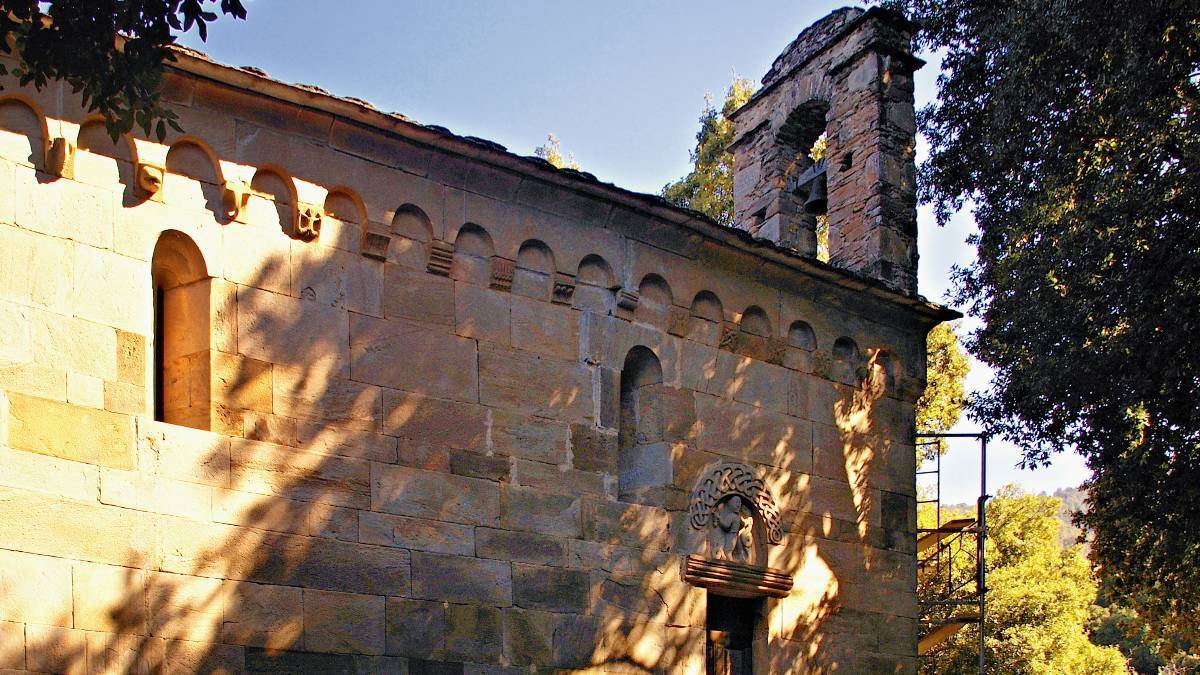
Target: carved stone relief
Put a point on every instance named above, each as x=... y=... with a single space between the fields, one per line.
x=678 y=320
x=150 y=180
x=503 y=271
x=737 y=514
x=375 y=244
x=564 y=289
x=308 y=222
x=60 y=158
x=441 y=256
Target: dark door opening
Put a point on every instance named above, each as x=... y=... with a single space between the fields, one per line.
x=730 y=624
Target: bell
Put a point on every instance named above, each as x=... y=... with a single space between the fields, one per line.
x=818 y=198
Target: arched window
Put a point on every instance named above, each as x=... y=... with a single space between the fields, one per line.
x=644 y=460
x=182 y=361
x=846 y=360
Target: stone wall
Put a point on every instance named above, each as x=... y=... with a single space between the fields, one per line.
x=405 y=363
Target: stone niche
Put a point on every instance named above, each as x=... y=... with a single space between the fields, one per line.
x=737 y=519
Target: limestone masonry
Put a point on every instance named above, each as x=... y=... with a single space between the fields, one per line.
x=314 y=388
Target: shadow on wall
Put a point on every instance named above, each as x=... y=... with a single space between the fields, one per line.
x=337 y=524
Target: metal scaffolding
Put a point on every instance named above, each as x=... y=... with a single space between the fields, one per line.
x=947 y=595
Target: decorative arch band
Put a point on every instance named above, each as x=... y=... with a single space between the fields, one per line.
x=727 y=479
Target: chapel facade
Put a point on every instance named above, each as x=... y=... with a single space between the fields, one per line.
x=311 y=387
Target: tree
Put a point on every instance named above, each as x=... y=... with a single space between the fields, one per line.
x=709 y=187
x=1040 y=597
x=1073 y=129
x=551 y=151
x=111 y=52
x=946 y=367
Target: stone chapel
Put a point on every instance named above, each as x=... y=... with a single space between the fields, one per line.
x=315 y=388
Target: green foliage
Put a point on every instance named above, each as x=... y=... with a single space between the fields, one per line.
x=111 y=52
x=709 y=187
x=551 y=151
x=1040 y=596
x=946 y=367
x=1073 y=129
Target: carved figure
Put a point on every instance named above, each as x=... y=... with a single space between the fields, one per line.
x=60 y=158
x=727 y=502
x=150 y=178
x=732 y=538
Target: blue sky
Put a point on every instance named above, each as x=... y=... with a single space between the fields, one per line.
x=621 y=84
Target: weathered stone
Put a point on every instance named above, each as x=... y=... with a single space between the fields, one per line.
x=426 y=494
x=545 y=328
x=534 y=438
x=526 y=547
x=536 y=385
x=415 y=533
x=473 y=633
x=415 y=627
x=482 y=313
x=70 y=432
x=626 y=524
x=36 y=589
x=422 y=420
x=550 y=588
x=593 y=449
x=528 y=636
x=343 y=622
x=476 y=465
x=531 y=511
x=461 y=579
x=382 y=351
x=261 y=615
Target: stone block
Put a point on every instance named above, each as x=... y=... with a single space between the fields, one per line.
x=545 y=328
x=271 y=469
x=552 y=479
x=576 y=641
x=131 y=357
x=415 y=627
x=181 y=453
x=85 y=390
x=593 y=449
x=263 y=316
x=12 y=646
x=754 y=434
x=525 y=547
x=625 y=524
x=416 y=534
x=49 y=475
x=528 y=637
x=259 y=660
x=105 y=288
x=70 y=432
x=37 y=269
x=530 y=510
x=261 y=615
x=482 y=314
x=51 y=649
x=183 y=607
x=16 y=343
x=75 y=345
x=134 y=490
x=422 y=419
x=417 y=296
x=461 y=579
x=34 y=380
x=534 y=438
x=591 y=555
x=533 y=384
x=125 y=398
x=344 y=622
x=425 y=494
x=473 y=633
x=554 y=589
x=477 y=465
x=242 y=383
x=51 y=525
x=35 y=589
x=409 y=356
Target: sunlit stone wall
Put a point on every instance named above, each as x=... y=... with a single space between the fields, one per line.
x=398 y=356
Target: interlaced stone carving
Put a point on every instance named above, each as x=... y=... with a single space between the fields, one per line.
x=441 y=256
x=713 y=505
